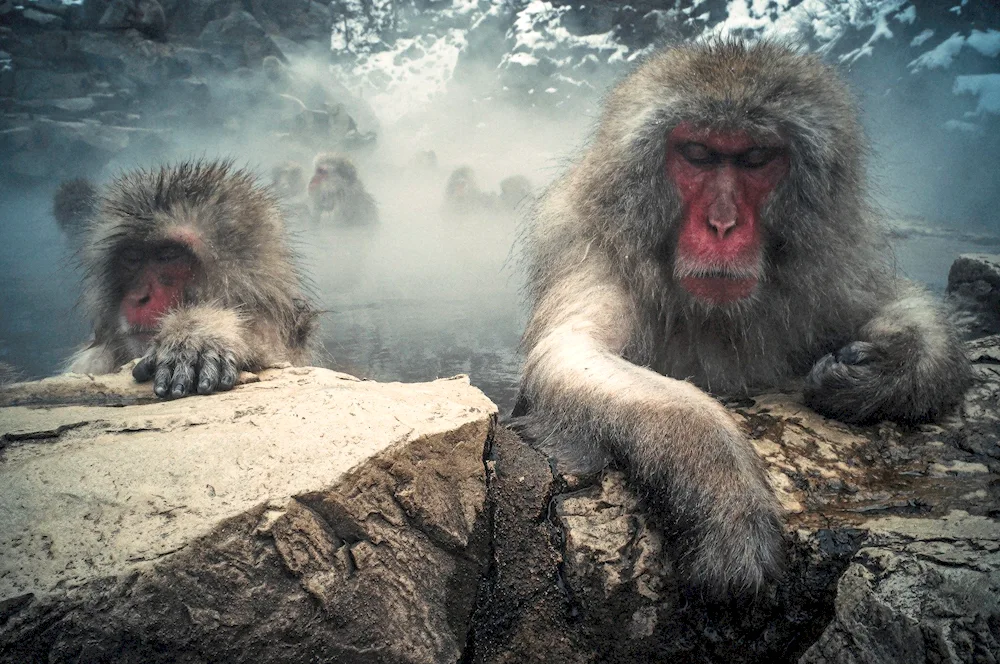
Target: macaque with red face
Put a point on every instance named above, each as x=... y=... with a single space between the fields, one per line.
x=188 y=267
x=715 y=240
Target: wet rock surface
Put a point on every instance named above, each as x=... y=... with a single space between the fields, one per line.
x=893 y=536
x=305 y=516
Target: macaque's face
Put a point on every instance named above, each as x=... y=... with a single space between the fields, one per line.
x=724 y=179
x=155 y=278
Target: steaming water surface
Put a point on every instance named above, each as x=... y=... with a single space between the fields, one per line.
x=419 y=298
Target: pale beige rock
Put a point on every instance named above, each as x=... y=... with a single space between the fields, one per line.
x=368 y=495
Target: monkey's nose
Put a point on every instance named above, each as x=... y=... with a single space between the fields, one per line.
x=722 y=216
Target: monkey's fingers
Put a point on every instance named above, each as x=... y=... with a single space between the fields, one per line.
x=858 y=352
x=230 y=372
x=182 y=380
x=145 y=368
x=161 y=380
x=209 y=372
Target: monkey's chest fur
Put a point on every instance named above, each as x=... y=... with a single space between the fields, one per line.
x=735 y=356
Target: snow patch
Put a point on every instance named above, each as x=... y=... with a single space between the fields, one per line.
x=921 y=38
x=987 y=43
x=941 y=56
x=984 y=86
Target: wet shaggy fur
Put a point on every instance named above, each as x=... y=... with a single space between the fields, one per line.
x=245 y=306
x=618 y=357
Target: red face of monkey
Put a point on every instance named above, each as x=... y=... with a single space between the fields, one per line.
x=724 y=179
x=161 y=275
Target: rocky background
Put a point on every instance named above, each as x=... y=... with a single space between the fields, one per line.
x=82 y=84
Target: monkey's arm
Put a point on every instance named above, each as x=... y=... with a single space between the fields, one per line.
x=203 y=348
x=680 y=444
x=907 y=365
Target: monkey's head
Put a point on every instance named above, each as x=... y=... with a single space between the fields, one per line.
x=462 y=184
x=73 y=204
x=333 y=176
x=723 y=160
x=184 y=234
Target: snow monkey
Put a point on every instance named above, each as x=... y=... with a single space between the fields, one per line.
x=336 y=189
x=713 y=238
x=462 y=195
x=187 y=266
x=72 y=206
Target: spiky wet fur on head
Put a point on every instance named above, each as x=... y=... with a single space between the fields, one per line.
x=823 y=267
x=243 y=261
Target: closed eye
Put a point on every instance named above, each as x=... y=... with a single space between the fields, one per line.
x=756 y=157
x=698 y=154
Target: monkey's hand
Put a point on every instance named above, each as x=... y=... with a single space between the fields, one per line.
x=728 y=519
x=908 y=366
x=201 y=348
x=854 y=384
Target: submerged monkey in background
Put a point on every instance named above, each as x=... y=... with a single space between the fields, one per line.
x=73 y=205
x=463 y=197
x=336 y=189
x=515 y=192
x=715 y=237
x=187 y=266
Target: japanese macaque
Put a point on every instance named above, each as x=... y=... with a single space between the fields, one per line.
x=187 y=267
x=336 y=190
x=288 y=180
x=72 y=206
x=715 y=239
x=515 y=191
x=463 y=197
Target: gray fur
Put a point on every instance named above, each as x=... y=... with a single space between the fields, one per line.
x=615 y=348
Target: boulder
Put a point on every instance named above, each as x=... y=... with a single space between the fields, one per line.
x=893 y=536
x=42 y=19
x=974 y=284
x=304 y=516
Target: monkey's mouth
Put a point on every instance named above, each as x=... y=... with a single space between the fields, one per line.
x=718 y=285
x=719 y=289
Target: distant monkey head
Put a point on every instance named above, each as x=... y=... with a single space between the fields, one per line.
x=333 y=177
x=462 y=184
x=288 y=180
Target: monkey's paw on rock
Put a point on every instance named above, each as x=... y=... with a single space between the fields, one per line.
x=894 y=549
x=308 y=516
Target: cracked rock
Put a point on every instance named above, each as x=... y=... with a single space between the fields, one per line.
x=303 y=516
x=893 y=538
